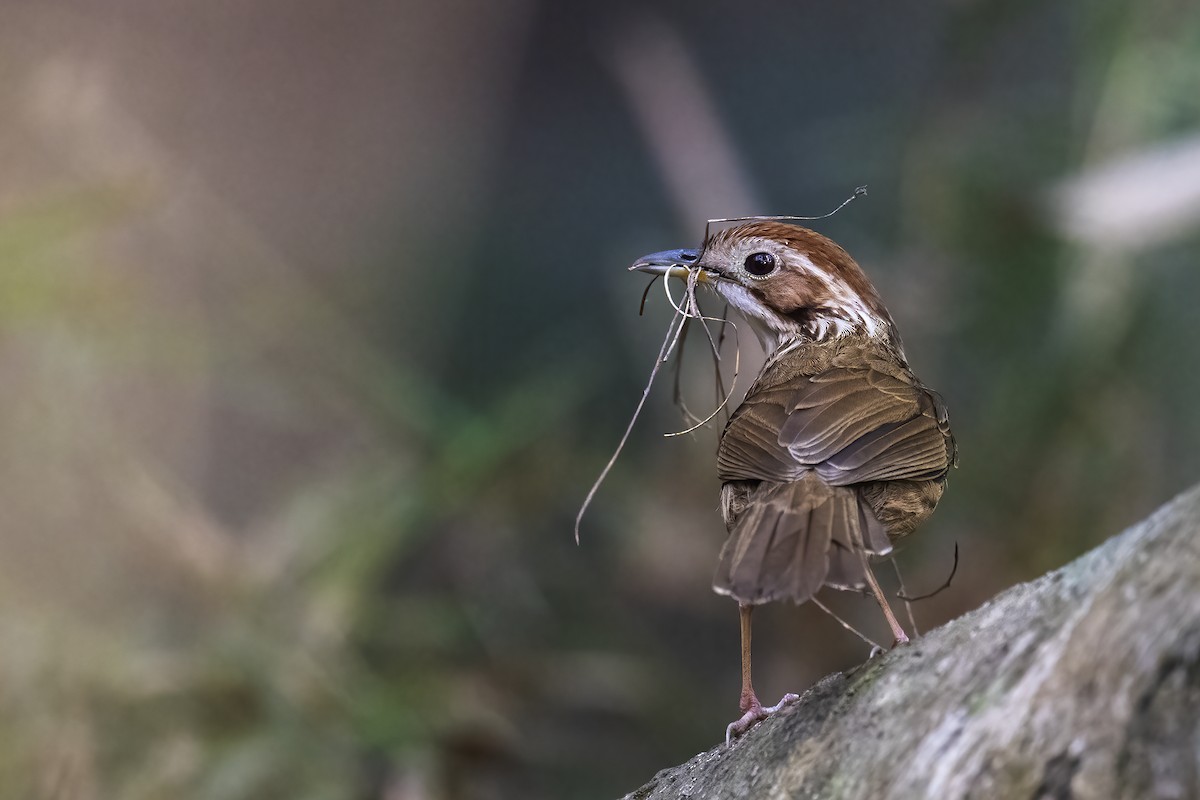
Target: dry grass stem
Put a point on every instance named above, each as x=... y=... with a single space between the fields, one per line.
x=847 y=625
x=903 y=595
x=686 y=310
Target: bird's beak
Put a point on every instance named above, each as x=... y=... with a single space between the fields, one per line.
x=673 y=264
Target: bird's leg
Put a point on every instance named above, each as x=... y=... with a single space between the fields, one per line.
x=752 y=709
x=898 y=634
x=748 y=699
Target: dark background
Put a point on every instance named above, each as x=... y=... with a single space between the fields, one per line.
x=315 y=329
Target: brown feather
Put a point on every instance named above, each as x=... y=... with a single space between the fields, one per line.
x=779 y=546
x=837 y=450
x=824 y=253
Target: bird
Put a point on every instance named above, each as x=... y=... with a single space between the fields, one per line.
x=837 y=450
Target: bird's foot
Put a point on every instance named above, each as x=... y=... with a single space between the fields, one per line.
x=754 y=714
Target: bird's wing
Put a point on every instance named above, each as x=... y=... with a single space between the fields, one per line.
x=848 y=424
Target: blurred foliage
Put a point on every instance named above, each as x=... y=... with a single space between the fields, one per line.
x=314 y=330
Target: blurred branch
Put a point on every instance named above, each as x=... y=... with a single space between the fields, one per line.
x=696 y=156
x=1135 y=200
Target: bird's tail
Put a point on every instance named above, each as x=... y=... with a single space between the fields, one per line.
x=793 y=538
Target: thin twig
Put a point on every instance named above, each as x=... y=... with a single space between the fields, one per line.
x=685 y=312
x=860 y=191
x=689 y=307
x=902 y=594
x=719 y=378
x=587 y=501
x=645 y=294
x=680 y=311
x=845 y=624
x=938 y=590
x=677 y=386
x=737 y=365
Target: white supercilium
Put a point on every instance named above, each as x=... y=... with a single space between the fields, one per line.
x=847 y=313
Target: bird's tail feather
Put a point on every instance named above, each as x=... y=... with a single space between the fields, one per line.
x=793 y=538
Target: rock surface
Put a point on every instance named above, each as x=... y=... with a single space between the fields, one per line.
x=1082 y=684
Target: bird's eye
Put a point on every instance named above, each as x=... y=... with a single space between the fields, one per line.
x=760 y=264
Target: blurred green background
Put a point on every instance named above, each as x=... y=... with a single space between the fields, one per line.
x=315 y=329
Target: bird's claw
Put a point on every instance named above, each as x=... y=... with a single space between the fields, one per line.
x=754 y=714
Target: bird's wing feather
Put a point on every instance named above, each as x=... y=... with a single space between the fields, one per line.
x=849 y=424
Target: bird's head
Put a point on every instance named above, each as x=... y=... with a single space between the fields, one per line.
x=791 y=283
